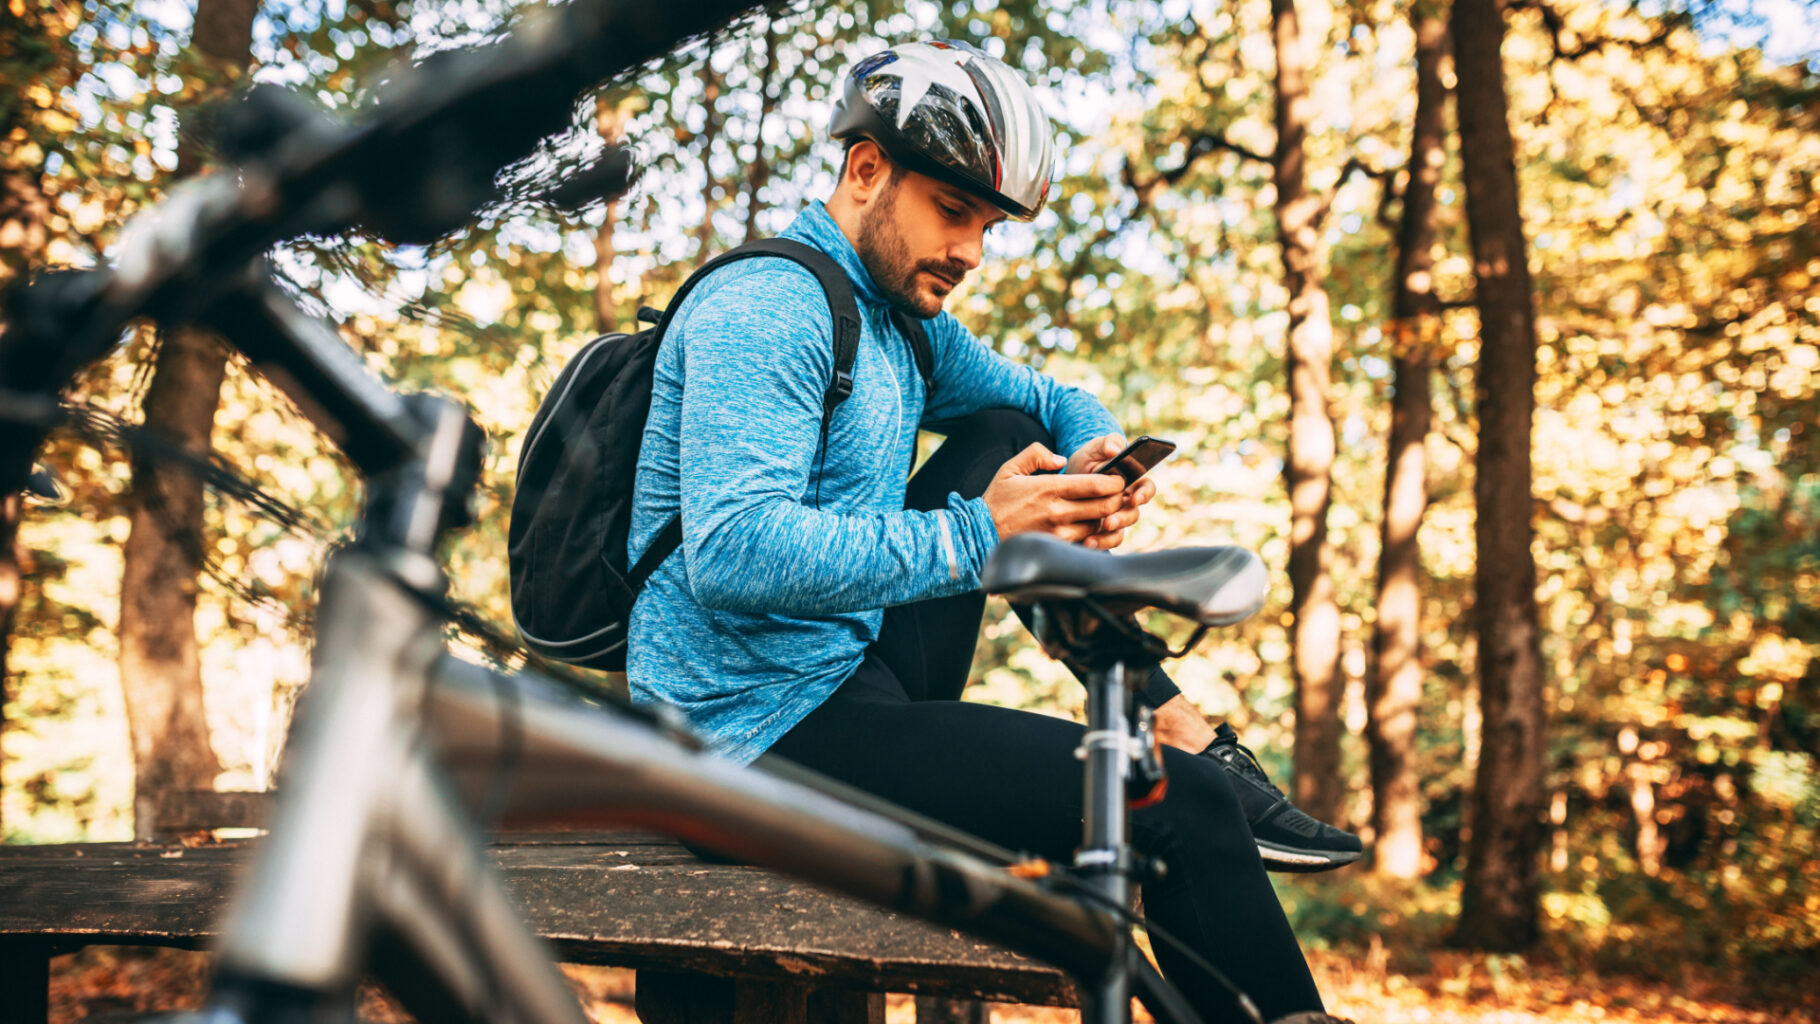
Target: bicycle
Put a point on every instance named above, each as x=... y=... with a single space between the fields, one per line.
x=374 y=863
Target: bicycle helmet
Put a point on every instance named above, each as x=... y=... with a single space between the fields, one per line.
x=947 y=110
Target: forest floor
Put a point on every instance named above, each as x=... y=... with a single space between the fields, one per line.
x=1455 y=988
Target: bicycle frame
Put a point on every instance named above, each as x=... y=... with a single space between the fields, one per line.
x=371 y=838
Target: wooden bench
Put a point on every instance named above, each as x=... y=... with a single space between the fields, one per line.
x=710 y=942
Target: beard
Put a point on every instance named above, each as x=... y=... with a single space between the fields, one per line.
x=887 y=258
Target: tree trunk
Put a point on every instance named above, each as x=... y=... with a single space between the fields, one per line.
x=160 y=672
x=1308 y=469
x=710 y=131
x=760 y=173
x=610 y=122
x=1643 y=806
x=1499 y=903
x=1394 y=686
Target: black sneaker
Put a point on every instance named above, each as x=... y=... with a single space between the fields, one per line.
x=1288 y=839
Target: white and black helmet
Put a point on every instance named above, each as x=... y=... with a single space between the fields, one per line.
x=949 y=111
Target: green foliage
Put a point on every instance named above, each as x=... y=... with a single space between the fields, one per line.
x=1353 y=911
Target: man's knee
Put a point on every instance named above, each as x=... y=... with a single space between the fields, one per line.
x=1011 y=428
x=1200 y=811
x=976 y=446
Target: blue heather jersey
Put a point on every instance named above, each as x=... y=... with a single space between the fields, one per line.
x=790 y=555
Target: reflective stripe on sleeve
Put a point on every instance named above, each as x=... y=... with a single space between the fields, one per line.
x=954 y=568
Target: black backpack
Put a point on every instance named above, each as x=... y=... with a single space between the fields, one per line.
x=572 y=592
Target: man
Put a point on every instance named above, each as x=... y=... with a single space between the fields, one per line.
x=824 y=610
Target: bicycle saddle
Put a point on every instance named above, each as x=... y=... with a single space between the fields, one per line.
x=1213 y=586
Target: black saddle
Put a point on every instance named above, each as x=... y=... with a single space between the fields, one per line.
x=1212 y=586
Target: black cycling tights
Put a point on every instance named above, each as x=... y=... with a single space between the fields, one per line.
x=897 y=729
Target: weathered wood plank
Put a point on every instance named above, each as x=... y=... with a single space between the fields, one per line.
x=624 y=899
x=193 y=810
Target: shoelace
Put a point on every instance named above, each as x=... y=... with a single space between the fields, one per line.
x=1226 y=747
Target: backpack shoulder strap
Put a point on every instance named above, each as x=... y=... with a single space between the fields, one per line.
x=836 y=288
x=667 y=540
x=912 y=328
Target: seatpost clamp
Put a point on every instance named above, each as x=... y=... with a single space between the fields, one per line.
x=1115 y=740
x=1127 y=862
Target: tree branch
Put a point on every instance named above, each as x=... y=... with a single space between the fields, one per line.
x=1390 y=196
x=1206 y=142
x=1199 y=146
x=1354 y=165
x=1144 y=193
x=1569 y=511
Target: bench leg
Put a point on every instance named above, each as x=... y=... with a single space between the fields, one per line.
x=936 y=1010
x=25 y=981
x=846 y=1006
x=663 y=998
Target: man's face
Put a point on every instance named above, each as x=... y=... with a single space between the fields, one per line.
x=919 y=237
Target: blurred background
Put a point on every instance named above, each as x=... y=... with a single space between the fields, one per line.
x=1294 y=291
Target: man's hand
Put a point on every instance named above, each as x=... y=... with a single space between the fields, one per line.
x=1111 y=531
x=1096 y=453
x=1070 y=506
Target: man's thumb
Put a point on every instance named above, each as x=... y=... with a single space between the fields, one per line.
x=1033 y=459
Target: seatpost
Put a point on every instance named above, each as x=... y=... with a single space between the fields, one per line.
x=1104 y=856
x=1084 y=634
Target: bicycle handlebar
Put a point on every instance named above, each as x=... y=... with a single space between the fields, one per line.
x=418 y=166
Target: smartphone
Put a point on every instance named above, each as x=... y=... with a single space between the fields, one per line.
x=1137 y=458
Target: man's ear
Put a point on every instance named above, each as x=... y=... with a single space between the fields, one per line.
x=867 y=170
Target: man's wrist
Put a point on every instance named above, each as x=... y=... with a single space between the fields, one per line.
x=977 y=533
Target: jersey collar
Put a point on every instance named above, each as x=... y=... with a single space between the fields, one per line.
x=815 y=226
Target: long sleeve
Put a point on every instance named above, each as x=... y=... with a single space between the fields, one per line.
x=970 y=376
x=753 y=538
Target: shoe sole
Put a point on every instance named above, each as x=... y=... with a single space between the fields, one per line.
x=1302 y=862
